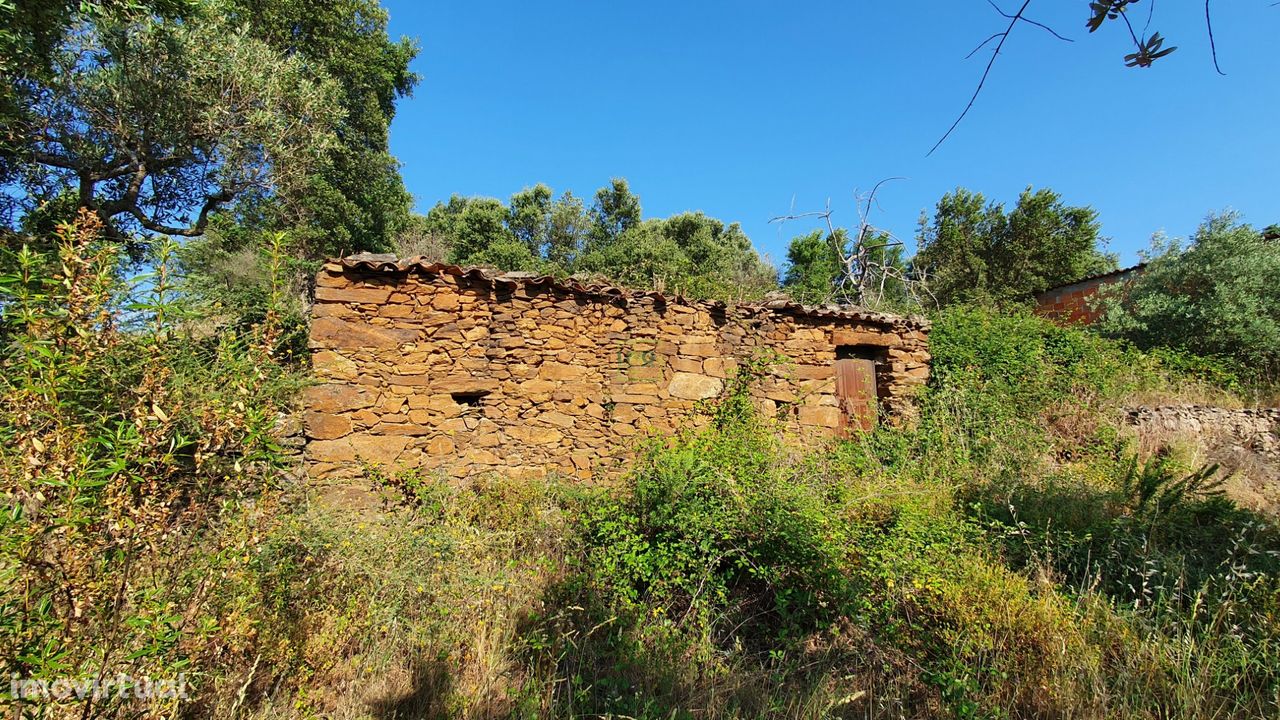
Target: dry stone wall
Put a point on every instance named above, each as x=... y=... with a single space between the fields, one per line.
x=457 y=371
x=1255 y=430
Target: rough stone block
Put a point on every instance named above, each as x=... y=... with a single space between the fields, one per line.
x=558 y=419
x=320 y=310
x=323 y=426
x=690 y=386
x=329 y=364
x=336 y=398
x=863 y=337
x=561 y=371
x=820 y=416
x=337 y=333
x=813 y=372
x=538 y=387
x=688 y=365
x=704 y=350
x=348 y=294
x=535 y=435
x=719 y=367
x=445 y=301
x=399 y=428
x=465 y=384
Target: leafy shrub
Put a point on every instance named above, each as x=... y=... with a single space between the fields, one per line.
x=1028 y=410
x=728 y=562
x=1025 y=363
x=1214 y=298
x=712 y=525
x=1215 y=372
x=1011 y=391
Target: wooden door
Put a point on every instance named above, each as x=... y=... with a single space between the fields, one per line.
x=856 y=393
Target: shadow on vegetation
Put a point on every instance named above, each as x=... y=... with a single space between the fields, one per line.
x=427 y=698
x=1149 y=530
x=646 y=666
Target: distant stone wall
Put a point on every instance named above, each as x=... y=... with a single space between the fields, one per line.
x=457 y=371
x=1254 y=430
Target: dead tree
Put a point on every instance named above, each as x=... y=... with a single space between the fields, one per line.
x=865 y=275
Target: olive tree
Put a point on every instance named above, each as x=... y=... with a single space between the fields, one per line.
x=156 y=124
x=1217 y=296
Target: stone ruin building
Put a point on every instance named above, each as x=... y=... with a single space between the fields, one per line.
x=462 y=371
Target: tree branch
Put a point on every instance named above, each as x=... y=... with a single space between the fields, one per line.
x=981 y=45
x=1213 y=45
x=863 y=278
x=1046 y=28
x=212 y=203
x=983 y=81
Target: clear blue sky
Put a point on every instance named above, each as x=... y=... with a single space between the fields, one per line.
x=736 y=108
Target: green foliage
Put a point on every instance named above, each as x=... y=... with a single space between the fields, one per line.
x=238 y=118
x=688 y=253
x=1004 y=556
x=1029 y=410
x=1216 y=298
x=763 y=568
x=974 y=250
x=30 y=32
x=125 y=437
x=616 y=210
x=1214 y=372
x=1001 y=379
x=469 y=225
x=813 y=267
x=711 y=526
x=271 y=116
x=240 y=290
x=355 y=200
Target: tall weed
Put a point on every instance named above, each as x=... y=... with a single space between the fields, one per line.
x=126 y=440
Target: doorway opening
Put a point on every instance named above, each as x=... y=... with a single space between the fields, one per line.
x=856 y=386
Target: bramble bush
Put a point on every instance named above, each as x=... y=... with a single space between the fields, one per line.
x=1152 y=541
x=739 y=576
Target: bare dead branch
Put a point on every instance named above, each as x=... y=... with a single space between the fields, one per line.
x=1046 y=28
x=864 y=278
x=1004 y=36
x=1213 y=45
x=981 y=45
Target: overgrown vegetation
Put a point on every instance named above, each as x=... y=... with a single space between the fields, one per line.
x=1008 y=555
x=137 y=466
x=1006 y=558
